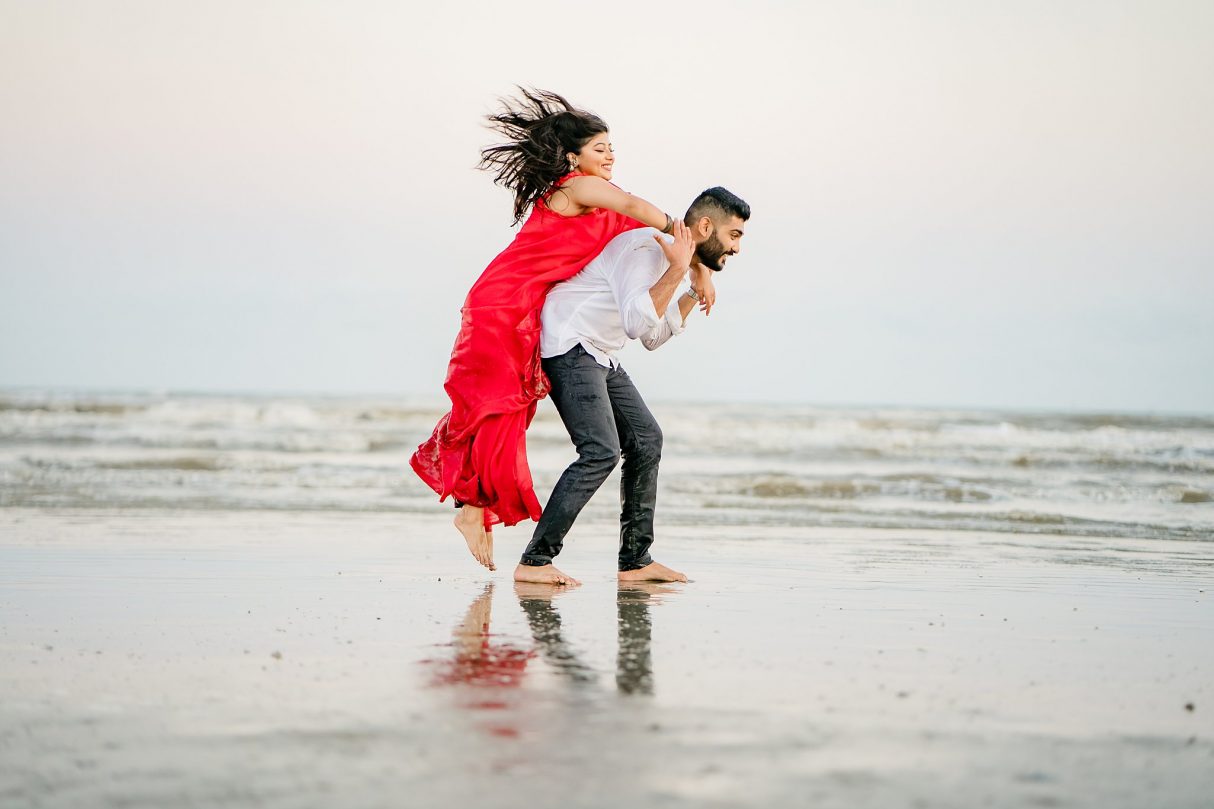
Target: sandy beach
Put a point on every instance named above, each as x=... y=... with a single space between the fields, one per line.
x=288 y=659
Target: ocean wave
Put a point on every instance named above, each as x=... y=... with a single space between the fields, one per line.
x=728 y=512
x=99 y=408
x=207 y=411
x=782 y=486
x=921 y=487
x=219 y=440
x=743 y=464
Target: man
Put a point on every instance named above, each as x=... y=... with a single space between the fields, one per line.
x=635 y=289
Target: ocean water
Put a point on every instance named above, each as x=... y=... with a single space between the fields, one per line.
x=1109 y=475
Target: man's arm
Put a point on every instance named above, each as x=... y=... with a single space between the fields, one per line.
x=663 y=291
x=678 y=253
x=642 y=301
x=672 y=324
x=687 y=305
x=648 y=308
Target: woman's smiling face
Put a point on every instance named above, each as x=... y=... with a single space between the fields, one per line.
x=596 y=158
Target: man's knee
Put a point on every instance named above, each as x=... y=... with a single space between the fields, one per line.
x=599 y=458
x=647 y=446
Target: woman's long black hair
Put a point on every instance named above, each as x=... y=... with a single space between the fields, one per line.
x=540 y=128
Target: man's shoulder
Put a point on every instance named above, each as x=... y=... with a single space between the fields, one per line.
x=632 y=244
x=632 y=239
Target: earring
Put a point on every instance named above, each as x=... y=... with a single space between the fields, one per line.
x=573 y=164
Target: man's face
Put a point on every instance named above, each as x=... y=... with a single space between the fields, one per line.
x=724 y=241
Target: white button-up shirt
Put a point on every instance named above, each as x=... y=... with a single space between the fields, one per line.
x=608 y=302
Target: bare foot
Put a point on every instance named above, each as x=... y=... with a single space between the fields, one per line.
x=470 y=523
x=652 y=572
x=545 y=574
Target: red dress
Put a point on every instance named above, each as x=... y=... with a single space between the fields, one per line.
x=478 y=452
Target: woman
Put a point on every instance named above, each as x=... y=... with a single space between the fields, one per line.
x=558 y=162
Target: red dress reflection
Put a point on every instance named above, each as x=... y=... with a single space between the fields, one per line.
x=482 y=663
x=486 y=665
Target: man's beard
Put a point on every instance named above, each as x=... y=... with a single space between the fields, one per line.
x=710 y=252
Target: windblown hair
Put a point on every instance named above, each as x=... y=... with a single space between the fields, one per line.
x=716 y=203
x=540 y=128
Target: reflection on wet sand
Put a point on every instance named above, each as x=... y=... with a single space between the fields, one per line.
x=634 y=659
x=545 y=622
x=482 y=660
x=478 y=659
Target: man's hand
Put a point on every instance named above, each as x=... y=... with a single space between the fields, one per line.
x=701 y=282
x=680 y=252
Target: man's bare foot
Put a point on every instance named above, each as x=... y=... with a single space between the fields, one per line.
x=652 y=572
x=545 y=574
x=471 y=523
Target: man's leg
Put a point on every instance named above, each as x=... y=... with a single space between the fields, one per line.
x=641 y=445
x=579 y=391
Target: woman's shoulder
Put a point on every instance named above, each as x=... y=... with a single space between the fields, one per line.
x=566 y=181
x=544 y=205
x=588 y=186
x=562 y=181
x=580 y=178
x=567 y=177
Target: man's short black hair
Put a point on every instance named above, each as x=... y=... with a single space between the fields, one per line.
x=717 y=204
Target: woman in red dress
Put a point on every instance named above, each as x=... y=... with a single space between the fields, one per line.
x=558 y=162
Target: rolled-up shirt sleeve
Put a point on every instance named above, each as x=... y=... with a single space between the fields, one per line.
x=669 y=326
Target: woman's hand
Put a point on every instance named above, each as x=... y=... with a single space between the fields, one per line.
x=701 y=282
x=679 y=252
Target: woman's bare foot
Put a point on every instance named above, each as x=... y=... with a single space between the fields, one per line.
x=652 y=572
x=471 y=523
x=546 y=574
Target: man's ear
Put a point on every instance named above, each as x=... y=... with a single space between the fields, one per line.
x=703 y=228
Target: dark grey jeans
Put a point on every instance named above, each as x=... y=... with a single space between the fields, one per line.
x=607 y=419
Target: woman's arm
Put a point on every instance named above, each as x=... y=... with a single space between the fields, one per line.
x=595 y=192
x=701 y=282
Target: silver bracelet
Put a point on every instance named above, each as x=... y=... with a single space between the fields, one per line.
x=691 y=293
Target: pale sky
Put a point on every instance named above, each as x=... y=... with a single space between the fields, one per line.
x=955 y=203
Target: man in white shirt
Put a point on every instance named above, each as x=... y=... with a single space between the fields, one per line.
x=637 y=288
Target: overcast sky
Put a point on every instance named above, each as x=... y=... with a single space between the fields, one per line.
x=955 y=203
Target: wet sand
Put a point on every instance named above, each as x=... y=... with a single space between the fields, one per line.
x=290 y=659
